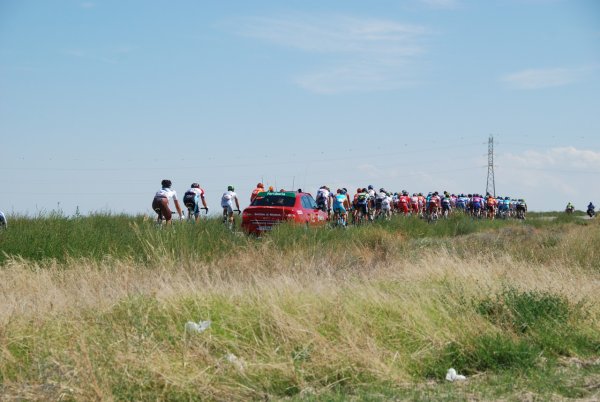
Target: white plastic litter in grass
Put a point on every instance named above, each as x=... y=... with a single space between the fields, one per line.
x=237 y=362
x=452 y=376
x=201 y=326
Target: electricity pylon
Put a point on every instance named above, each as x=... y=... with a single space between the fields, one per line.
x=490 y=188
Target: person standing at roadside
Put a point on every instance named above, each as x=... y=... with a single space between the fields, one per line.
x=259 y=189
x=160 y=203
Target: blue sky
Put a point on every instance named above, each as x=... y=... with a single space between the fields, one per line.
x=100 y=100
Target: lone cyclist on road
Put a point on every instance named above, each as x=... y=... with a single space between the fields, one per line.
x=160 y=203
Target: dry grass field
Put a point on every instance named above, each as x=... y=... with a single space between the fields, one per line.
x=373 y=313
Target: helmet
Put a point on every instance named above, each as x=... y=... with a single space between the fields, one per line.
x=370 y=187
x=230 y=188
x=382 y=190
x=166 y=183
x=195 y=185
x=260 y=185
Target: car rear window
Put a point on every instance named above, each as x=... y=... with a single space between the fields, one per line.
x=274 y=200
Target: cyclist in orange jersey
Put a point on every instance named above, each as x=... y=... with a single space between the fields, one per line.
x=421 y=199
x=491 y=205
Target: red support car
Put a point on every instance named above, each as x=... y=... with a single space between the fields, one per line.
x=272 y=208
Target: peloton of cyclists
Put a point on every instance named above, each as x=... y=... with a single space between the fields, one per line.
x=365 y=205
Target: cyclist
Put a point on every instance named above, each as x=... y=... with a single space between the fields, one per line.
x=570 y=208
x=323 y=199
x=386 y=206
x=350 y=203
x=503 y=206
x=591 y=210
x=476 y=205
x=446 y=205
x=3 y=222
x=382 y=195
x=191 y=199
x=340 y=207
x=434 y=204
x=362 y=204
x=345 y=192
x=259 y=189
x=404 y=202
x=521 y=208
x=227 y=200
x=461 y=202
x=160 y=203
x=414 y=203
x=422 y=202
x=491 y=205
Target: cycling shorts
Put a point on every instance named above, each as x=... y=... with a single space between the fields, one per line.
x=160 y=205
x=339 y=209
x=228 y=208
x=192 y=203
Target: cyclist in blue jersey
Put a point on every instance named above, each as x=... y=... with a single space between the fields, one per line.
x=340 y=207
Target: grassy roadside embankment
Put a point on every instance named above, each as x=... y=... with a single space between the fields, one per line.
x=94 y=308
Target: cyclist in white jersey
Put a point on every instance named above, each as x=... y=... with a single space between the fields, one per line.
x=160 y=203
x=386 y=206
x=227 y=204
x=3 y=222
x=192 y=199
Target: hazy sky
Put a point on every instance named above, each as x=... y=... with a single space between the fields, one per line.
x=100 y=100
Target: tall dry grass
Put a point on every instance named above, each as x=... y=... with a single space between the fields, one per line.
x=301 y=321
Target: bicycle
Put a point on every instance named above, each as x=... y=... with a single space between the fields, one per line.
x=160 y=219
x=229 y=221
x=339 y=220
x=446 y=212
x=433 y=214
x=192 y=215
x=361 y=215
x=502 y=214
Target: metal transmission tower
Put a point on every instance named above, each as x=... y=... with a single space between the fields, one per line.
x=490 y=188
